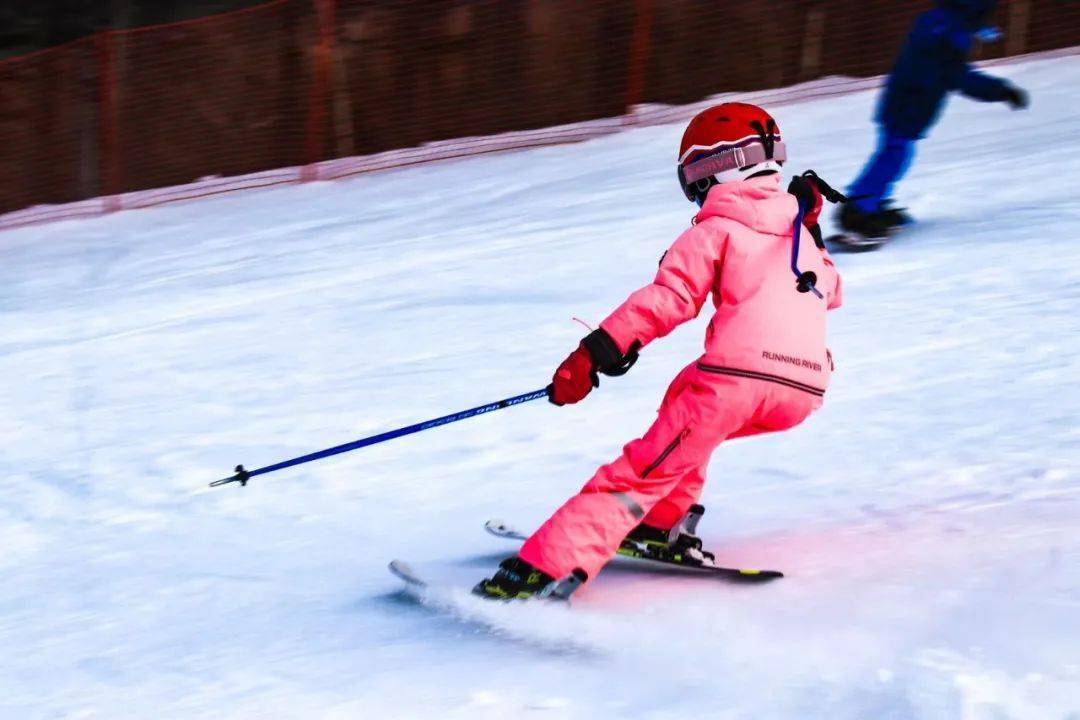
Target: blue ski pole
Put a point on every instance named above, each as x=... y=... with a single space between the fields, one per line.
x=242 y=476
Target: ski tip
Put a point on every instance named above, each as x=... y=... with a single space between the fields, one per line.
x=504 y=530
x=500 y=528
x=399 y=567
x=404 y=571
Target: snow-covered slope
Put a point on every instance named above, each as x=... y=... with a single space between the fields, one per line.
x=927 y=517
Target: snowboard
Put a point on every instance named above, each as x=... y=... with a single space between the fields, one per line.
x=632 y=551
x=849 y=242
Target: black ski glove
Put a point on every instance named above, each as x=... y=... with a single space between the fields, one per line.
x=1016 y=97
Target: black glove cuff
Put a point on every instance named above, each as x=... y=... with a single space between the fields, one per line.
x=606 y=356
x=804 y=193
x=803 y=188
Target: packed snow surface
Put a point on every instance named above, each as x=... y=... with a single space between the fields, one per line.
x=928 y=517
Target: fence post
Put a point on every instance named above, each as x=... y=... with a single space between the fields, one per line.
x=813 y=41
x=640 y=45
x=109 y=142
x=323 y=59
x=772 y=52
x=344 y=144
x=1017 y=31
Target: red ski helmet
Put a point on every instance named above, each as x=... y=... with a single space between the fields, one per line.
x=728 y=142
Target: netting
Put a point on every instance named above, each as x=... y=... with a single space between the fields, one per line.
x=232 y=98
x=291 y=82
x=49 y=128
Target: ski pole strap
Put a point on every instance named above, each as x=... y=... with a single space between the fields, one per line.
x=242 y=476
x=804 y=281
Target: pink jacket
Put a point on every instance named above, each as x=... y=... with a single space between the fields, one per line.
x=739 y=250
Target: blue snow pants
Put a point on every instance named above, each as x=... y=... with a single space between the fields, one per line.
x=886 y=166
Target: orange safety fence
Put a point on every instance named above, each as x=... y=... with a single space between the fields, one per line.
x=290 y=83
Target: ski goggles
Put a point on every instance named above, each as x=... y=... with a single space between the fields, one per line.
x=731 y=159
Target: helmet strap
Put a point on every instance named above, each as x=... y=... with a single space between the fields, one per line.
x=767 y=133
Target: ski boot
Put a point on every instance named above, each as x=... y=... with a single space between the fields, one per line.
x=861 y=230
x=518 y=580
x=679 y=545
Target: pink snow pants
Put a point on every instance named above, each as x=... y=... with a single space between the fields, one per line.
x=659 y=476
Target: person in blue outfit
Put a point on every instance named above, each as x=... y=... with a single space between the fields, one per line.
x=932 y=64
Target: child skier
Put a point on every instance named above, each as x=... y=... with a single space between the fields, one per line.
x=931 y=64
x=765 y=366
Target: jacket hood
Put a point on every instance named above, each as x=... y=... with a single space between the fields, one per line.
x=758 y=203
x=973 y=12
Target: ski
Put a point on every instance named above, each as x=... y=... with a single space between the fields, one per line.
x=558 y=592
x=635 y=551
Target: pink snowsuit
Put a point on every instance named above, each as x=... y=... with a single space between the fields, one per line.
x=765 y=368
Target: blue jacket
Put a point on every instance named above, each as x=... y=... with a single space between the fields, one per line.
x=933 y=63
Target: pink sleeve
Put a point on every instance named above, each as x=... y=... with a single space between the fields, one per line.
x=836 y=297
x=687 y=273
